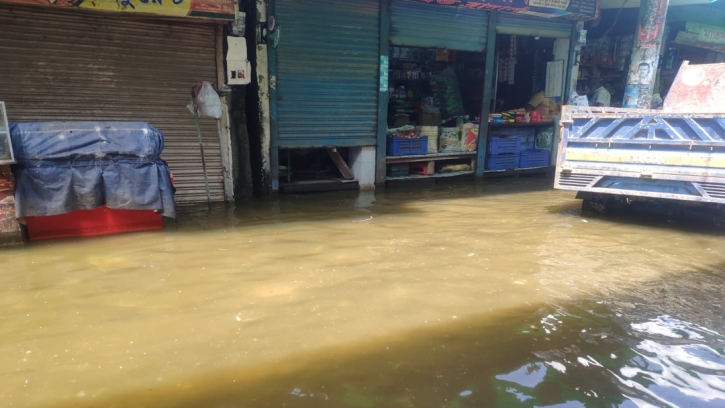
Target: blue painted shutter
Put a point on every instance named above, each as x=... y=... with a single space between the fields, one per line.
x=418 y=24
x=327 y=72
x=520 y=24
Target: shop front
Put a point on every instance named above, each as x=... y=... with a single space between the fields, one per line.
x=136 y=62
x=458 y=97
x=324 y=90
x=414 y=84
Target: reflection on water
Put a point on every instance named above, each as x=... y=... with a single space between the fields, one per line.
x=457 y=296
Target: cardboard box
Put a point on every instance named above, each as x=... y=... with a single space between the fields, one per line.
x=429 y=119
x=401 y=120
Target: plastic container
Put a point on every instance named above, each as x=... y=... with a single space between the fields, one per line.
x=504 y=145
x=432 y=133
x=87 y=223
x=398 y=170
x=502 y=162
x=534 y=158
x=419 y=168
x=400 y=146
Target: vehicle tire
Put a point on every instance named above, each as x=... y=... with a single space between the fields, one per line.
x=588 y=205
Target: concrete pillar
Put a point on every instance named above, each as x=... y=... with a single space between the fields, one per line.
x=561 y=52
x=645 y=54
x=264 y=83
x=362 y=164
x=10 y=232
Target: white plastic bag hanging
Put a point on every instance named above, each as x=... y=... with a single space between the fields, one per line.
x=208 y=102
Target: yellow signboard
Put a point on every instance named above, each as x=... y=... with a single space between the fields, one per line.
x=217 y=9
x=659 y=158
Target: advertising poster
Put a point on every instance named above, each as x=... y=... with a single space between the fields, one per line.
x=216 y=9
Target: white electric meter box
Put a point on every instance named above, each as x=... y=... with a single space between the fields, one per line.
x=6 y=147
x=239 y=70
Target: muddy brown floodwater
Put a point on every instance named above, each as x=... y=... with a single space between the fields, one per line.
x=462 y=295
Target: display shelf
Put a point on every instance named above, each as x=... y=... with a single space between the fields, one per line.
x=518 y=172
x=591 y=65
x=430 y=157
x=432 y=176
x=410 y=79
x=515 y=125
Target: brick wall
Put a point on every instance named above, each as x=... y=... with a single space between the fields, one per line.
x=10 y=232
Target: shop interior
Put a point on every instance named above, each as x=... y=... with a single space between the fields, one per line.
x=437 y=95
x=606 y=55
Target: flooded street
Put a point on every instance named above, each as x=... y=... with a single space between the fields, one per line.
x=463 y=295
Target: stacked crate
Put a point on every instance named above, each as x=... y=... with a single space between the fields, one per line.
x=503 y=153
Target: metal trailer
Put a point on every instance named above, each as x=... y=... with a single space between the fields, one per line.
x=677 y=153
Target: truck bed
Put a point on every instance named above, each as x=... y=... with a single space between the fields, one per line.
x=643 y=153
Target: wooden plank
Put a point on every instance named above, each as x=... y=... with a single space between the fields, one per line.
x=426 y=156
x=433 y=176
x=340 y=163
x=314 y=186
x=520 y=172
x=411 y=159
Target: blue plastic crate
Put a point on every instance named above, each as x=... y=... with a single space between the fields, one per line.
x=502 y=162
x=399 y=170
x=534 y=158
x=503 y=145
x=403 y=146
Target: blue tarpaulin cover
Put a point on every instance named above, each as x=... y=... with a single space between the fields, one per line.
x=67 y=166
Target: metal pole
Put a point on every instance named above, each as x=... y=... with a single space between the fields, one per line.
x=201 y=146
x=645 y=54
x=488 y=93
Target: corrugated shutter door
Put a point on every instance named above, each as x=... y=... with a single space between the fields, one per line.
x=520 y=24
x=58 y=65
x=417 y=24
x=327 y=72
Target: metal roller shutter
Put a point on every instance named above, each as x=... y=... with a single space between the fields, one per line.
x=520 y=24
x=327 y=72
x=59 y=65
x=417 y=24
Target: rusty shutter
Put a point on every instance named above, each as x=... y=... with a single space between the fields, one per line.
x=68 y=65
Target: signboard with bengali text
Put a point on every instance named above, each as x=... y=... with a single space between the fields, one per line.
x=214 y=9
x=579 y=9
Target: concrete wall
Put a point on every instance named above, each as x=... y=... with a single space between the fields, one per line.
x=10 y=232
x=362 y=164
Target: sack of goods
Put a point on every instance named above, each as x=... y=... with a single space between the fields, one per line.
x=469 y=137
x=450 y=139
